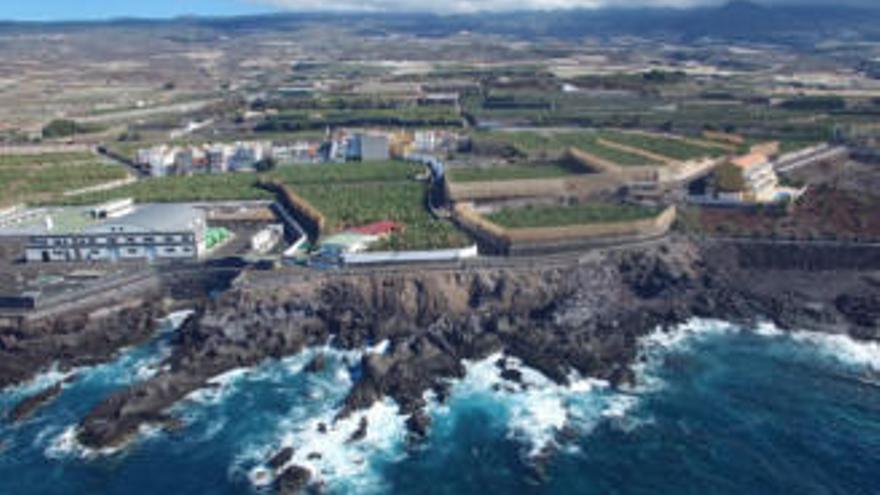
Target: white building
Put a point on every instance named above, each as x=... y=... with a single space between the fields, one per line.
x=118 y=232
x=266 y=239
x=215 y=158
x=759 y=178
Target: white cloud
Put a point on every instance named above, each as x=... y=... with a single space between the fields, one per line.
x=466 y=6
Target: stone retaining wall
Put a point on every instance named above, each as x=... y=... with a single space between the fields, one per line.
x=512 y=241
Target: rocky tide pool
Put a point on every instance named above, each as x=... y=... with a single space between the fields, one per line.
x=717 y=409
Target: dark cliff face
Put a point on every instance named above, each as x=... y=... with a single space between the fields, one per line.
x=584 y=316
x=72 y=340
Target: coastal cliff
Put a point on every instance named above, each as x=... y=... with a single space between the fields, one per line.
x=584 y=317
x=577 y=316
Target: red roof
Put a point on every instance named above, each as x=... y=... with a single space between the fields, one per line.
x=378 y=229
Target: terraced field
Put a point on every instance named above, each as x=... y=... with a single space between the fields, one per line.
x=347 y=194
x=665 y=146
x=563 y=216
x=352 y=204
x=508 y=172
x=552 y=144
x=32 y=178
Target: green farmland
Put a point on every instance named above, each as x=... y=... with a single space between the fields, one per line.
x=351 y=204
x=563 y=216
x=508 y=172
x=348 y=195
x=665 y=146
x=554 y=144
x=33 y=178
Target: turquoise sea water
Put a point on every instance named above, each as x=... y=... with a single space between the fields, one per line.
x=717 y=410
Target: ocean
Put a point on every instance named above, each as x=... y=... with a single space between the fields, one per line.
x=717 y=410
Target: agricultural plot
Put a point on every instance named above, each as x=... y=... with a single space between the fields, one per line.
x=350 y=205
x=31 y=178
x=590 y=144
x=335 y=173
x=556 y=143
x=563 y=216
x=508 y=172
x=348 y=195
x=408 y=117
x=665 y=146
x=228 y=187
x=232 y=187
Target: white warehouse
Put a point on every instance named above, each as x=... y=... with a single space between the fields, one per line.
x=145 y=232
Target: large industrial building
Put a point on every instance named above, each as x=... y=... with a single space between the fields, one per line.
x=112 y=232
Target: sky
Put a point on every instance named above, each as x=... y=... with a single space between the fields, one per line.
x=103 y=9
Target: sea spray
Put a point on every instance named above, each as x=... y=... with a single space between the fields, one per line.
x=715 y=405
x=837 y=348
x=534 y=409
x=326 y=445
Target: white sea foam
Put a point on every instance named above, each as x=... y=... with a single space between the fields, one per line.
x=838 y=348
x=380 y=348
x=173 y=321
x=539 y=409
x=321 y=444
x=39 y=382
x=65 y=445
x=842 y=349
x=334 y=460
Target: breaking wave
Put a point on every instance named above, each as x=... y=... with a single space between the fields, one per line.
x=247 y=416
x=534 y=409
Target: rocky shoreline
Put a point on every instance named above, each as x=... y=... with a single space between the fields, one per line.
x=585 y=317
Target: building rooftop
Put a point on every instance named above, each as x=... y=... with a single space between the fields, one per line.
x=80 y=220
x=750 y=160
x=156 y=218
x=378 y=229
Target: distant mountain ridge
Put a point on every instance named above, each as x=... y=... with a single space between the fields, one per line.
x=739 y=19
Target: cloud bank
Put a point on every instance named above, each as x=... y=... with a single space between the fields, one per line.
x=470 y=6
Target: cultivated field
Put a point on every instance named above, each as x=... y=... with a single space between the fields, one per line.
x=348 y=195
x=555 y=143
x=563 y=216
x=661 y=145
x=31 y=178
x=508 y=172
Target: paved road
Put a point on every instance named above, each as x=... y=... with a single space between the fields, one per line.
x=812 y=158
x=146 y=279
x=137 y=113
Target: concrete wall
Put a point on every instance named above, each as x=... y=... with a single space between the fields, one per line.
x=581 y=186
x=515 y=241
x=402 y=257
x=304 y=213
x=653 y=226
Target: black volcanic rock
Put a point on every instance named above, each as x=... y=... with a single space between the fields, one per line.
x=29 y=406
x=361 y=431
x=317 y=365
x=281 y=458
x=585 y=317
x=512 y=375
x=863 y=310
x=293 y=481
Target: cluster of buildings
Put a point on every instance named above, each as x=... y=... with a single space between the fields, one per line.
x=165 y=160
x=749 y=179
x=336 y=147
